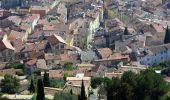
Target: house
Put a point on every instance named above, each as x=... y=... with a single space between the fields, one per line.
x=109 y=58
x=34 y=64
x=32 y=21
x=10 y=71
x=62 y=11
x=15 y=19
x=57 y=43
x=30 y=66
x=114 y=74
x=6 y=51
x=15 y=35
x=42 y=11
x=99 y=70
x=87 y=56
x=56 y=73
x=154 y=55
x=74 y=84
x=33 y=50
x=9 y=3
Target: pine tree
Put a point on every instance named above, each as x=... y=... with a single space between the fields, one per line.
x=167 y=36
x=126 y=31
x=32 y=87
x=40 y=90
x=83 y=93
x=46 y=80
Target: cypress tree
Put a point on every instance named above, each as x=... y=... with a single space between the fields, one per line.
x=83 y=93
x=46 y=80
x=126 y=31
x=40 y=90
x=32 y=87
x=71 y=92
x=167 y=36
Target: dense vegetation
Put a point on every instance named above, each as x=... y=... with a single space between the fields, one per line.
x=144 y=86
x=10 y=84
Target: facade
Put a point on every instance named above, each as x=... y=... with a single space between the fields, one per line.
x=155 y=55
x=6 y=51
x=9 y=3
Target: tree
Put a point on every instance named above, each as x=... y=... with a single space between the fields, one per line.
x=153 y=86
x=40 y=90
x=126 y=31
x=144 y=86
x=167 y=36
x=125 y=92
x=71 y=92
x=96 y=81
x=68 y=66
x=10 y=84
x=46 y=80
x=31 y=87
x=83 y=93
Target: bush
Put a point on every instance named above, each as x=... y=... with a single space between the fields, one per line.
x=20 y=73
x=16 y=65
x=10 y=84
x=68 y=66
x=56 y=83
x=65 y=96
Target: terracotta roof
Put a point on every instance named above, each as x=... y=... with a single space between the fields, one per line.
x=54 y=39
x=56 y=73
x=8 y=71
x=104 y=52
x=31 y=62
x=5 y=44
x=74 y=81
x=31 y=18
x=16 y=35
x=48 y=27
x=15 y=19
x=41 y=63
x=158 y=28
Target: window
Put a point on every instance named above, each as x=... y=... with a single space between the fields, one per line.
x=56 y=47
x=148 y=59
x=62 y=46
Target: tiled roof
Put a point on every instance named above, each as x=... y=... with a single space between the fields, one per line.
x=56 y=39
x=31 y=62
x=104 y=52
x=5 y=44
x=56 y=73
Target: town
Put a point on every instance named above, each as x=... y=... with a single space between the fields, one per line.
x=84 y=49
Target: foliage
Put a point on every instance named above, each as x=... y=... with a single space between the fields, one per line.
x=96 y=81
x=31 y=87
x=83 y=93
x=68 y=66
x=40 y=90
x=65 y=96
x=20 y=72
x=37 y=72
x=57 y=83
x=126 y=31
x=10 y=84
x=110 y=14
x=66 y=75
x=144 y=86
x=16 y=65
x=167 y=36
x=46 y=79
